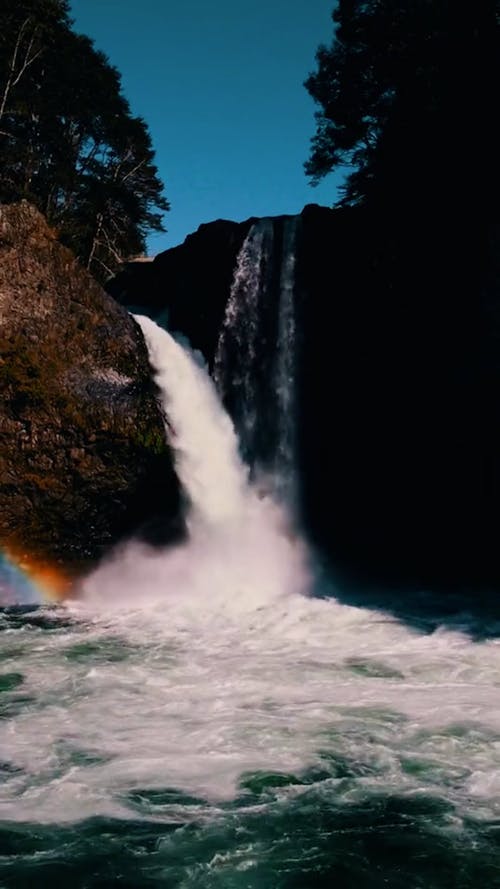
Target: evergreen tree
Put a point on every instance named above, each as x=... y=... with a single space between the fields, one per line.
x=408 y=95
x=68 y=140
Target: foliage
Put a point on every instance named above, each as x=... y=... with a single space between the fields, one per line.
x=68 y=140
x=407 y=95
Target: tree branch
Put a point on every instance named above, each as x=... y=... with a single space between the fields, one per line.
x=29 y=57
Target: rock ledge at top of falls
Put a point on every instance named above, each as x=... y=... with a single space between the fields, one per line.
x=189 y=283
x=84 y=460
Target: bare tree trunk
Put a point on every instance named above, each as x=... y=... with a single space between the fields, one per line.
x=95 y=240
x=20 y=61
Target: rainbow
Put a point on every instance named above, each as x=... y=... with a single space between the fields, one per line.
x=25 y=580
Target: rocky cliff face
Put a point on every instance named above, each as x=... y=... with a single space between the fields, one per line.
x=84 y=459
x=398 y=418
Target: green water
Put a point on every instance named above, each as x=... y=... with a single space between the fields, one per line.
x=383 y=801
x=319 y=838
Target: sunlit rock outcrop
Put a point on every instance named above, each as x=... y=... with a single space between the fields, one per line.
x=84 y=459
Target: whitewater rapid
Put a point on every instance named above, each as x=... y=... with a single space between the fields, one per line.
x=194 y=669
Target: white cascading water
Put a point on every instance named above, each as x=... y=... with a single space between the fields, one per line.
x=196 y=666
x=203 y=437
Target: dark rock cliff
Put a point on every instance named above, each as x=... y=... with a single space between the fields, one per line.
x=399 y=381
x=84 y=460
x=400 y=396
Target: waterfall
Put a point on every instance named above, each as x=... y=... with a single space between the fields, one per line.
x=238 y=352
x=255 y=362
x=285 y=369
x=241 y=552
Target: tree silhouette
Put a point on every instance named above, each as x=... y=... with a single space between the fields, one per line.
x=408 y=95
x=68 y=141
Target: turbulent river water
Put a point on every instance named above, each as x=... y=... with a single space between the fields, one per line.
x=213 y=716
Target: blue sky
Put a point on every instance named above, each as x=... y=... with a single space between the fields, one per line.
x=220 y=86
